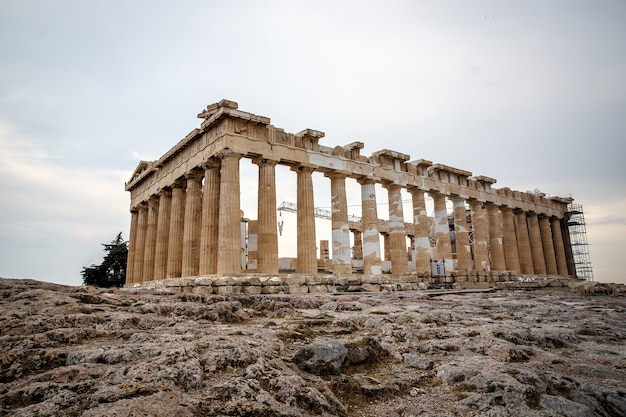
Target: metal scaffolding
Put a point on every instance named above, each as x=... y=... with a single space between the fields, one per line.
x=578 y=237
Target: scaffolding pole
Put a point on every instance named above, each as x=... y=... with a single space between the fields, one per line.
x=578 y=237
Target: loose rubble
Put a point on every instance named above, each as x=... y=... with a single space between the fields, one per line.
x=81 y=351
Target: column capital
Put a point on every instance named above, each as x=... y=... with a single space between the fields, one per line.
x=194 y=174
x=212 y=163
x=179 y=183
x=228 y=153
x=302 y=168
x=165 y=192
x=260 y=160
x=366 y=180
x=391 y=185
x=335 y=174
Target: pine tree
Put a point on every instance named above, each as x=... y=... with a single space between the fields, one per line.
x=112 y=271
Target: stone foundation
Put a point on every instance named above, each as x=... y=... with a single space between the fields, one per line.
x=312 y=284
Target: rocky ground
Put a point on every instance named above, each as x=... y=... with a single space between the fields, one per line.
x=75 y=351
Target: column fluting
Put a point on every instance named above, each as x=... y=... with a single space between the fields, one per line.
x=421 y=240
x=461 y=232
x=536 y=246
x=510 y=241
x=371 y=235
x=162 y=233
x=229 y=246
x=306 y=262
x=209 y=235
x=496 y=249
x=523 y=243
x=481 y=236
x=547 y=245
x=442 y=231
x=267 y=235
x=177 y=225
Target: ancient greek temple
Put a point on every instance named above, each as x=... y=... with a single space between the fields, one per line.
x=186 y=220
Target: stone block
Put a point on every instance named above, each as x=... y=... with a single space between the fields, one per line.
x=318 y=288
x=296 y=289
x=205 y=280
x=294 y=280
x=252 y=289
x=227 y=289
x=272 y=289
x=202 y=289
x=371 y=287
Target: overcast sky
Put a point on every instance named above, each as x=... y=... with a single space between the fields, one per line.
x=532 y=93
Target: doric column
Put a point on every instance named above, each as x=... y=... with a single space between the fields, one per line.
x=307 y=256
x=567 y=245
x=510 y=241
x=481 y=236
x=267 y=236
x=397 y=236
x=177 y=225
x=229 y=247
x=536 y=247
x=442 y=231
x=191 y=230
x=371 y=235
x=142 y=226
x=523 y=243
x=132 y=244
x=559 y=247
x=461 y=232
x=387 y=246
x=547 y=245
x=421 y=241
x=148 y=259
x=341 y=257
x=162 y=233
x=209 y=233
x=357 y=252
x=496 y=248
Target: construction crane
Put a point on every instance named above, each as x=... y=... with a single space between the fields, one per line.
x=355 y=221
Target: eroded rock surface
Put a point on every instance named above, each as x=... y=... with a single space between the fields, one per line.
x=68 y=351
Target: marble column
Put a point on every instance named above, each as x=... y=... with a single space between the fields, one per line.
x=421 y=241
x=357 y=252
x=442 y=232
x=149 y=250
x=341 y=256
x=177 y=224
x=547 y=245
x=397 y=235
x=496 y=248
x=132 y=243
x=559 y=247
x=267 y=235
x=386 y=239
x=191 y=230
x=307 y=251
x=142 y=226
x=209 y=234
x=229 y=246
x=162 y=233
x=371 y=235
x=510 y=241
x=461 y=232
x=481 y=236
x=523 y=243
x=536 y=247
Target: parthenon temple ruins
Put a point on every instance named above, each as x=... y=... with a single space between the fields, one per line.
x=188 y=230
